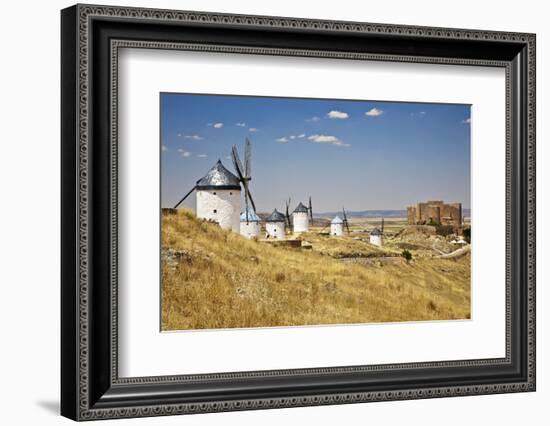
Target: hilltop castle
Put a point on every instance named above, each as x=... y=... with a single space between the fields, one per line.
x=435 y=211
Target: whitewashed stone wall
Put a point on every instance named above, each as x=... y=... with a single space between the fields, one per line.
x=376 y=240
x=275 y=230
x=250 y=229
x=222 y=206
x=300 y=222
x=336 y=229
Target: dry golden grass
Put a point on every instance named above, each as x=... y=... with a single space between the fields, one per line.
x=223 y=280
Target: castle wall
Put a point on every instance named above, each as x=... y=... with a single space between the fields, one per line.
x=445 y=211
x=432 y=213
x=437 y=210
x=222 y=206
x=456 y=213
x=421 y=212
x=411 y=215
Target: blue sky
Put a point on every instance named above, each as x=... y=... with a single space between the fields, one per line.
x=364 y=155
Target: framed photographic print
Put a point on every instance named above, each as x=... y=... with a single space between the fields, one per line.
x=263 y=212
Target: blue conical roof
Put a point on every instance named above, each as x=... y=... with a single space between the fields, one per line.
x=249 y=216
x=337 y=221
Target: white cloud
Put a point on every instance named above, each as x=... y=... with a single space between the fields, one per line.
x=284 y=139
x=184 y=153
x=164 y=148
x=340 y=143
x=422 y=112
x=323 y=138
x=340 y=115
x=467 y=121
x=240 y=124
x=374 y=112
x=292 y=137
x=216 y=125
x=329 y=139
x=202 y=155
x=313 y=119
x=252 y=129
x=194 y=137
x=303 y=135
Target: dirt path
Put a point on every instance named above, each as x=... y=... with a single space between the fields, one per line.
x=457 y=253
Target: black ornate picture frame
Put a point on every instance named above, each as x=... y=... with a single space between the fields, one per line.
x=91 y=386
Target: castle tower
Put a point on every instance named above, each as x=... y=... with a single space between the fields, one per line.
x=300 y=219
x=219 y=197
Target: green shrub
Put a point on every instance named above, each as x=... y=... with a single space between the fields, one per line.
x=407 y=255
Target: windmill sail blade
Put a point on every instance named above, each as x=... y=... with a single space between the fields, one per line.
x=183 y=199
x=237 y=162
x=310 y=211
x=247 y=159
x=287 y=213
x=246 y=198
x=249 y=195
x=345 y=219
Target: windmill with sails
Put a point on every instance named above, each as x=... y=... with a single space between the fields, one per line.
x=218 y=193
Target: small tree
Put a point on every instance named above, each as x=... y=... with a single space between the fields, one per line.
x=407 y=255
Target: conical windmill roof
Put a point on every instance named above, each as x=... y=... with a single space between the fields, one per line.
x=276 y=217
x=218 y=177
x=249 y=216
x=300 y=209
x=337 y=221
x=376 y=232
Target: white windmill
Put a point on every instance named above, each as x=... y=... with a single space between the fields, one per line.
x=250 y=224
x=337 y=227
x=275 y=225
x=375 y=237
x=300 y=219
x=218 y=196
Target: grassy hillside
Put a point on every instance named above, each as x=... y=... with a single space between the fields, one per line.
x=217 y=279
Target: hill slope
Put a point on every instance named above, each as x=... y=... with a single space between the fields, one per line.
x=213 y=278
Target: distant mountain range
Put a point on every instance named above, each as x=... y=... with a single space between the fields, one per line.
x=375 y=213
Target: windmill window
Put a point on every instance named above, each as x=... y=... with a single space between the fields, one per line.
x=214 y=193
x=230 y=193
x=215 y=211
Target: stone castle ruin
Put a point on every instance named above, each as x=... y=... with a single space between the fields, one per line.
x=435 y=212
